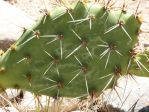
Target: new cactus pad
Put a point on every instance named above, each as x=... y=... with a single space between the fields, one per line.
x=74 y=51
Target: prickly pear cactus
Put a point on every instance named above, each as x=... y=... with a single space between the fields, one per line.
x=139 y=63
x=75 y=51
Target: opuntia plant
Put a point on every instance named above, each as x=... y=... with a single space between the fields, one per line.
x=73 y=51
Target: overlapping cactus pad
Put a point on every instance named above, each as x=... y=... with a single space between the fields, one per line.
x=74 y=51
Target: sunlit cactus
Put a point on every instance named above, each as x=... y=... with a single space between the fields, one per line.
x=75 y=51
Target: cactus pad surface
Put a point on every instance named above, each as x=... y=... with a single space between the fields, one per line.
x=75 y=51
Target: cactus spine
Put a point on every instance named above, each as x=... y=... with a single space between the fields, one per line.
x=80 y=50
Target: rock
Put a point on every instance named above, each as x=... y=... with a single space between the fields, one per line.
x=12 y=21
x=130 y=95
x=5 y=44
x=144 y=109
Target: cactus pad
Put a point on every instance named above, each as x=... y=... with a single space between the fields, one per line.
x=72 y=52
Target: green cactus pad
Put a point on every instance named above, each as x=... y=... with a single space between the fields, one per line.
x=75 y=51
x=140 y=63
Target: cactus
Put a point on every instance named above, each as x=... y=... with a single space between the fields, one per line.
x=140 y=63
x=74 y=51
